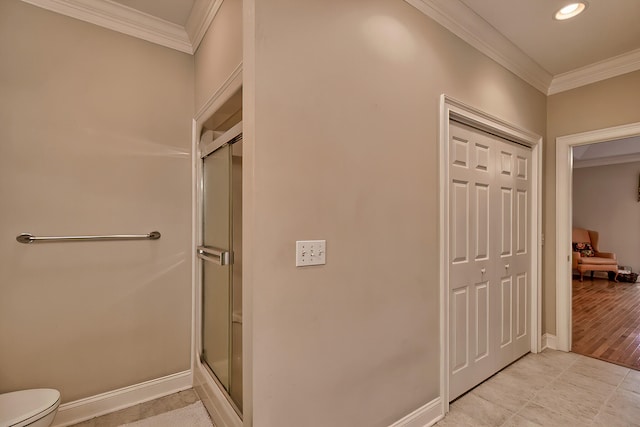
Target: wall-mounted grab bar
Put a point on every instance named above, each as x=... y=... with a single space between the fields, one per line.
x=214 y=255
x=30 y=238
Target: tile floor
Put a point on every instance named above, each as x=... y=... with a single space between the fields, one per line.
x=143 y=410
x=552 y=388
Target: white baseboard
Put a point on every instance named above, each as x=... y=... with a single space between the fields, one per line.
x=549 y=341
x=94 y=406
x=424 y=416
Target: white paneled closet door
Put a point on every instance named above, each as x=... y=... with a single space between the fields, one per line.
x=489 y=259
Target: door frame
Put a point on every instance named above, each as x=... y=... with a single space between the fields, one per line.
x=564 y=214
x=451 y=108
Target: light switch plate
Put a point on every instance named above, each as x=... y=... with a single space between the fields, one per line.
x=311 y=252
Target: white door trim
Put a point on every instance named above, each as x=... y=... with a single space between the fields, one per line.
x=564 y=196
x=452 y=108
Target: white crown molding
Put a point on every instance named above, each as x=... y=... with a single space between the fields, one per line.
x=470 y=27
x=451 y=14
x=605 y=161
x=120 y=18
x=126 y=20
x=596 y=72
x=201 y=16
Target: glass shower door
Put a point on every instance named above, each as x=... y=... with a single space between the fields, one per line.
x=216 y=252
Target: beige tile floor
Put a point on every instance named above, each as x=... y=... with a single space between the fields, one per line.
x=552 y=388
x=143 y=410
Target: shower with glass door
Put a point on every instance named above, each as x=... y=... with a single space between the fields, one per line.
x=220 y=254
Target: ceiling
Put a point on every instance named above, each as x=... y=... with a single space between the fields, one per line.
x=619 y=151
x=552 y=56
x=607 y=28
x=521 y=35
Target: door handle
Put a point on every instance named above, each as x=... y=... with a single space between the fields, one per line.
x=483 y=270
x=506 y=266
x=217 y=256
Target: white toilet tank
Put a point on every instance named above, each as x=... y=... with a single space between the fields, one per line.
x=33 y=408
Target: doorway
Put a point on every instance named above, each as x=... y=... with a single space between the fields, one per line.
x=497 y=306
x=564 y=214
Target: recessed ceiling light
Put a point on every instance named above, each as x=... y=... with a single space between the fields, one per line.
x=570 y=10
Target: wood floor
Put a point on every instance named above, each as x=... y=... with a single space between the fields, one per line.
x=606 y=321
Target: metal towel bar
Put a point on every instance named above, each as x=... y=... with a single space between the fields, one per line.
x=30 y=238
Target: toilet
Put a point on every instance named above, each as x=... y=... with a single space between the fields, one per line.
x=33 y=408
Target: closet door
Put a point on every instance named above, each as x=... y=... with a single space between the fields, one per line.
x=512 y=217
x=489 y=200
x=521 y=261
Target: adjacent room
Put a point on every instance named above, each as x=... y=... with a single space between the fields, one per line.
x=606 y=202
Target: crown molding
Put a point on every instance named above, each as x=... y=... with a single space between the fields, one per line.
x=470 y=27
x=126 y=20
x=612 y=67
x=451 y=14
x=122 y=19
x=200 y=18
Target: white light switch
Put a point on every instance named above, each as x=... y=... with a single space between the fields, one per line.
x=311 y=252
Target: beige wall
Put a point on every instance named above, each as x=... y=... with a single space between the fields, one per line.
x=605 y=198
x=94 y=139
x=345 y=98
x=600 y=105
x=220 y=52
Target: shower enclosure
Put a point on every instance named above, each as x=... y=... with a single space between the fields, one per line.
x=220 y=253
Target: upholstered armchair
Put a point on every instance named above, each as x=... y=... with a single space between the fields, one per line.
x=587 y=256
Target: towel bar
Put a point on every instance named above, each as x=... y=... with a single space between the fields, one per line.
x=30 y=238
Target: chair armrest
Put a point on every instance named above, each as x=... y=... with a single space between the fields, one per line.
x=606 y=255
x=574 y=260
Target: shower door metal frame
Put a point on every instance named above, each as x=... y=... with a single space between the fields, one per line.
x=220 y=409
x=223 y=412
x=204 y=253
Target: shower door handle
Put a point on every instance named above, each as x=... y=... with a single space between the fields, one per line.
x=215 y=255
